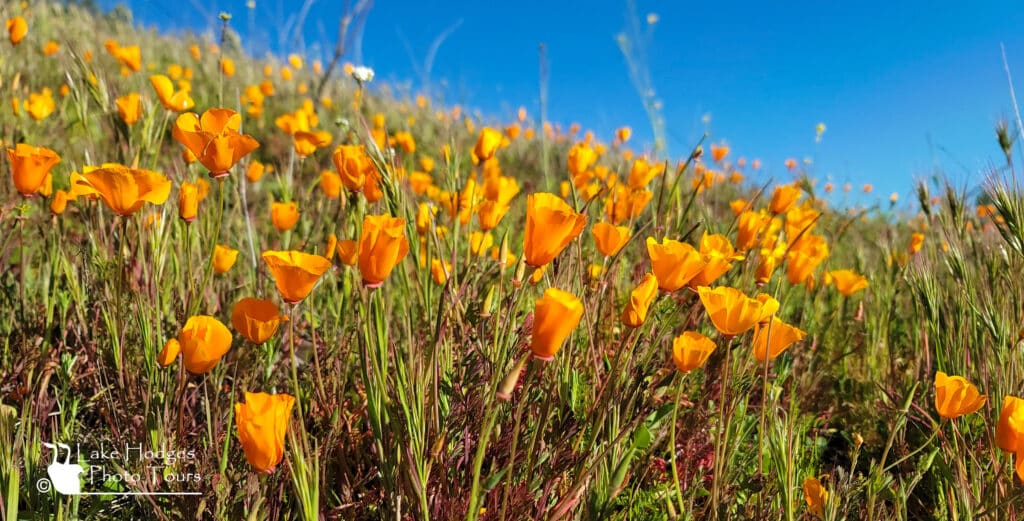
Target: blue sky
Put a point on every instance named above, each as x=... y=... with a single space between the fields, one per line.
x=903 y=87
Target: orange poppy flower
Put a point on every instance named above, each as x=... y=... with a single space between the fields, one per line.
x=330 y=184
x=306 y=143
x=719 y=254
x=848 y=282
x=173 y=100
x=551 y=225
x=29 y=166
x=784 y=198
x=255 y=171
x=955 y=396
x=204 y=340
x=257 y=320
x=748 y=225
x=1010 y=430
x=214 y=139
x=17 y=28
x=188 y=201
x=262 y=423
x=815 y=495
x=439 y=271
x=382 y=246
x=284 y=216
x=640 y=300
x=224 y=258
x=129 y=107
x=59 y=202
x=555 y=316
x=690 y=350
x=353 y=164
x=486 y=144
x=623 y=134
x=674 y=263
x=348 y=252
x=129 y=57
x=718 y=152
x=730 y=310
x=610 y=238
x=581 y=158
x=916 y=242
x=125 y=190
x=295 y=273
x=774 y=338
x=171 y=350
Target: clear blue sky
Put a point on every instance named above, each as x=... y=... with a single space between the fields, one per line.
x=903 y=87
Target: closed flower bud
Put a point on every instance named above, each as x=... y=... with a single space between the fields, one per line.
x=188 y=202
x=382 y=246
x=639 y=301
x=555 y=316
x=262 y=423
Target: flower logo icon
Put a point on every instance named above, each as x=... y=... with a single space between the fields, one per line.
x=63 y=476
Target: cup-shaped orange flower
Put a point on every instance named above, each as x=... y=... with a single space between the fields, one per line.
x=125 y=190
x=29 y=166
x=748 y=225
x=284 y=216
x=674 y=263
x=815 y=495
x=487 y=144
x=330 y=184
x=489 y=214
x=348 y=252
x=848 y=282
x=262 y=423
x=129 y=107
x=255 y=319
x=773 y=338
x=224 y=258
x=783 y=198
x=640 y=300
x=353 y=165
x=295 y=273
x=719 y=254
x=955 y=396
x=555 y=316
x=690 y=350
x=214 y=139
x=188 y=201
x=204 y=340
x=171 y=350
x=610 y=238
x=382 y=246
x=551 y=224
x=730 y=310
x=916 y=242
x=17 y=28
x=173 y=100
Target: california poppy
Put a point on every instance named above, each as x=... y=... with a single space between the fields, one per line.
x=1010 y=430
x=490 y=213
x=731 y=311
x=955 y=396
x=307 y=142
x=848 y=282
x=581 y=158
x=348 y=252
x=748 y=225
x=916 y=242
x=719 y=254
x=59 y=202
x=214 y=138
x=674 y=263
x=639 y=301
x=284 y=216
x=125 y=190
x=382 y=246
x=783 y=198
x=173 y=100
x=224 y=258
x=256 y=320
x=129 y=107
x=555 y=316
x=295 y=273
x=204 y=340
x=816 y=495
x=17 y=28
x=29 y=166
x=439 y=271
x=690 y=350
x=330 y=184
x=610 y=238
x=262 y=423
x=551 y=225
x=171 y=350
x=353 y=165
x=188 y=201
x=774 y=338
x=486 y=144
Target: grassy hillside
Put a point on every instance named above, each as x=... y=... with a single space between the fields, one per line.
x=239 y=294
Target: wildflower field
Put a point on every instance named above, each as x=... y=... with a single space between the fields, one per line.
x=251 y=288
